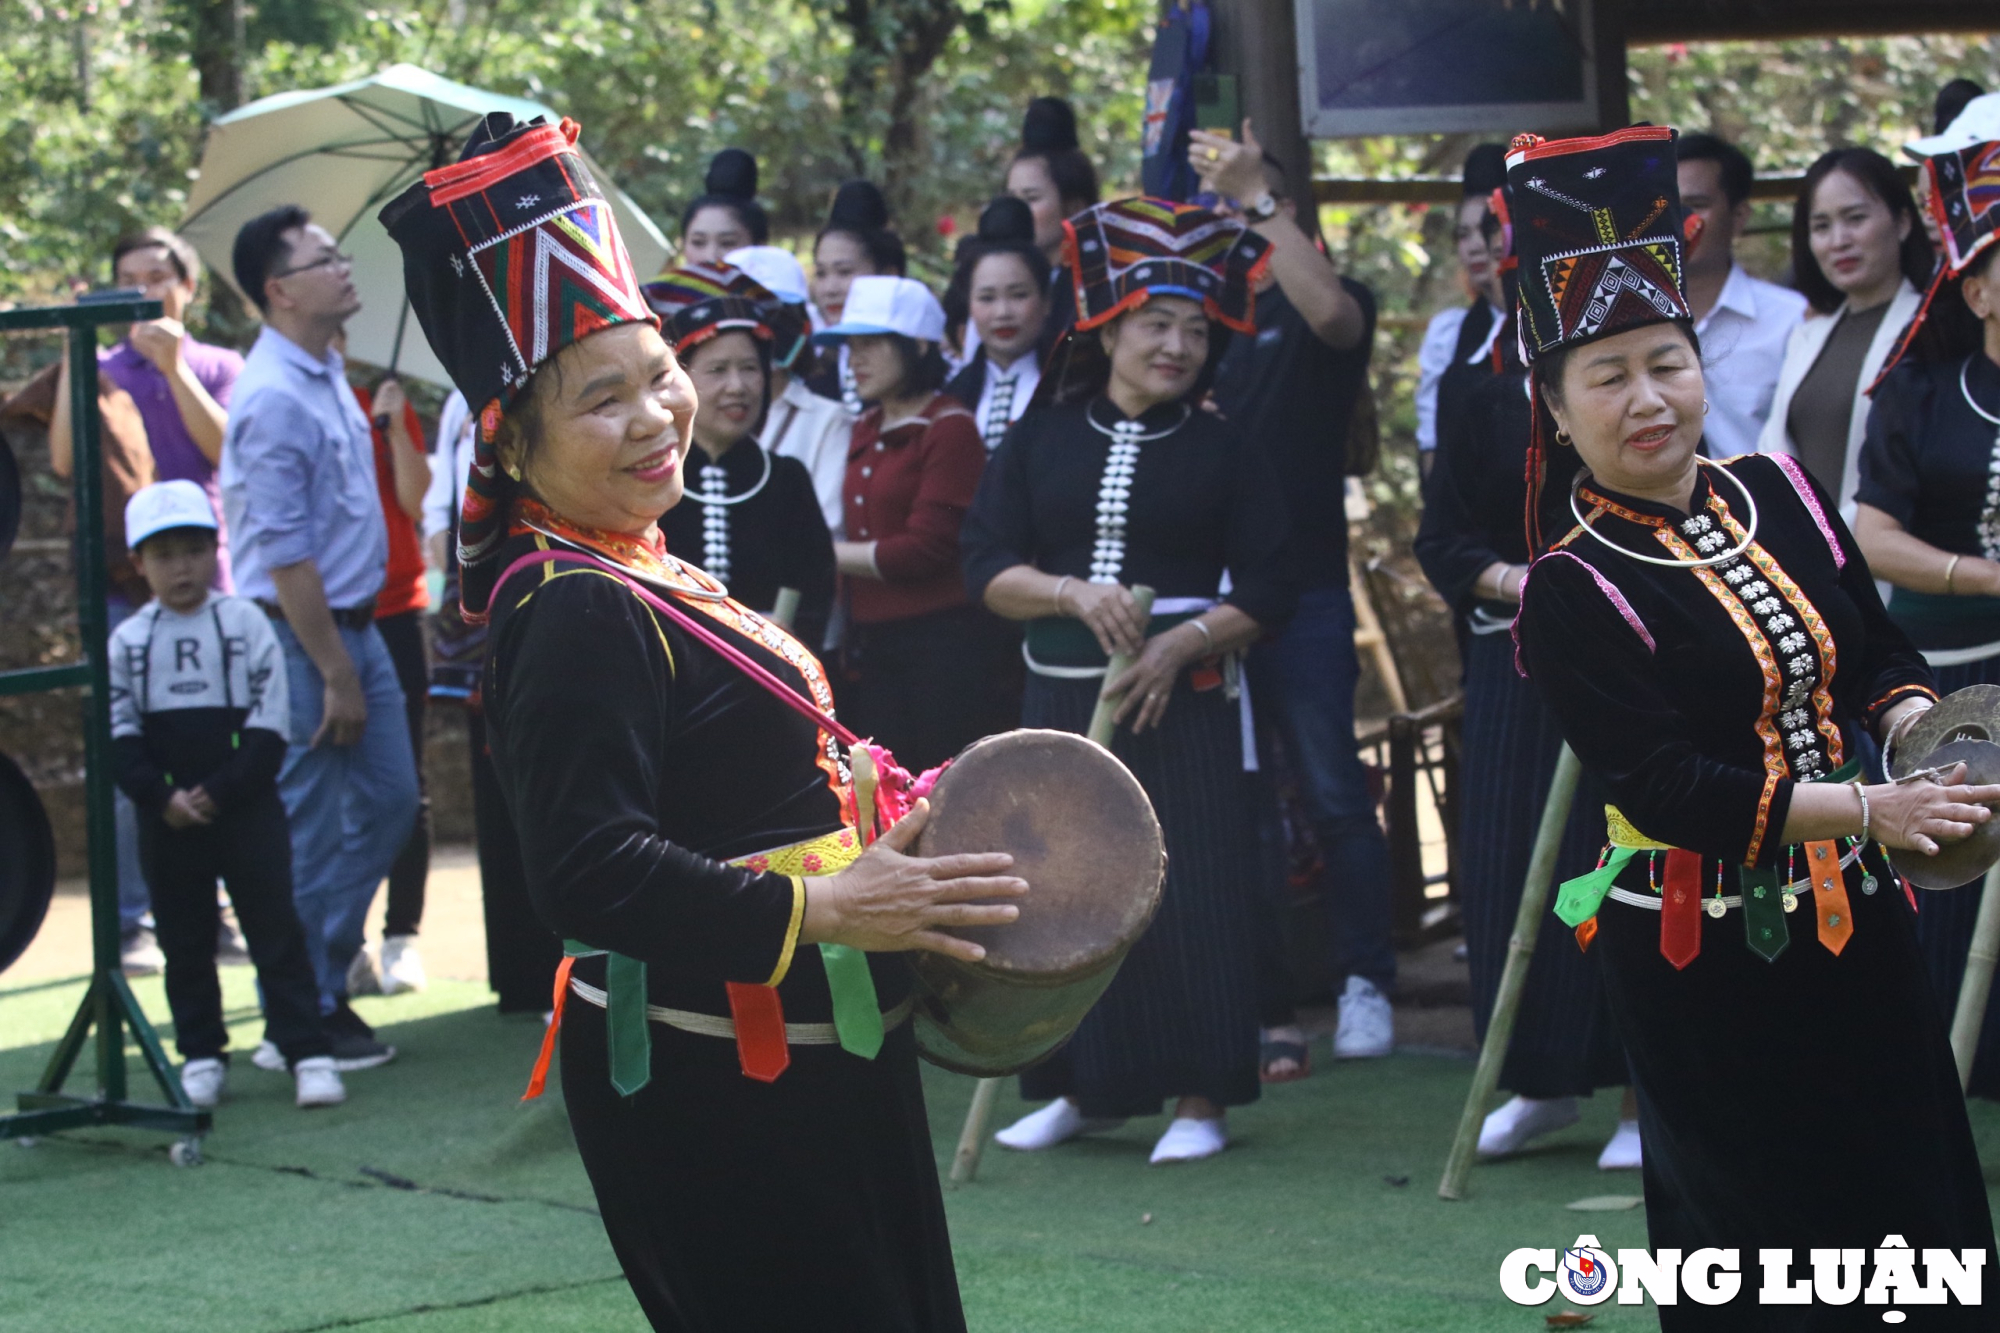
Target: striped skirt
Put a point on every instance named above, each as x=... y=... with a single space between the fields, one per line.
x=1944 y=923
x=1563 y=1043
x=1180 y=1018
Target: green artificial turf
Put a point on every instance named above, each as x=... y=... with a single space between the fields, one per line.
x=434 y=1202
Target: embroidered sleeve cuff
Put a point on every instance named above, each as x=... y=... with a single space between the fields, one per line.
x=1771 y=814
x=1894 y=695
x=791 y=941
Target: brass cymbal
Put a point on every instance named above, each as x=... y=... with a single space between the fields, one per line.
x=1964 y=861
x=1970 y=714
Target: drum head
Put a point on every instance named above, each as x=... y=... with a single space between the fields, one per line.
x=1082 y=833
x=1964 y=861
x=27 y=862
x=1970 y=714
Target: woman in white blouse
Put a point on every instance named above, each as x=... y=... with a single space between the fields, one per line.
x=1859 y=256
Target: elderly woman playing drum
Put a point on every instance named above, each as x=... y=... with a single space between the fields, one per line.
x=747 y=1106
x=1122 y=480
x=1713 y=647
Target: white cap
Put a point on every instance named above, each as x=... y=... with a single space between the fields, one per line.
x=1979 y=123
x=164 y=505
x=877 y=305
x=773 y=268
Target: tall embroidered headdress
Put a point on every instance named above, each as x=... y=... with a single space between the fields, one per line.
x=510 y=255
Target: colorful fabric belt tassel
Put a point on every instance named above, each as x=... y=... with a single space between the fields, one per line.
x=857 y=1014
x=1680 y=908
x=540 y=1077
x=761 y=1047
x=628 y=1043
x=1764 y=914
x=1836 y=920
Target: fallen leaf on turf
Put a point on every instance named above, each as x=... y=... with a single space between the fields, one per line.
x=1397 y=1181
x=1569 y=1319
x=1606 y=1203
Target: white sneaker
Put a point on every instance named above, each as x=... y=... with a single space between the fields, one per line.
x=319 y=1082
x=202 y=1081
x=1367 y=1023
x=1508 y=1129
x=1190 y=1140
x=362 y=976
x=1623 y=1152
x=1058 y=1122
x=402 y=967
x=268 y=1057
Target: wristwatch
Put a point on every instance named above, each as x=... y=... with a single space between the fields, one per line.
x=1261 y=209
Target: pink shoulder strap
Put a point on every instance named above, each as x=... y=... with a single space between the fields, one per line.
x=790 y=697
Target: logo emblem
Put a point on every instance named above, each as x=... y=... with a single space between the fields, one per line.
x=1587 y=1274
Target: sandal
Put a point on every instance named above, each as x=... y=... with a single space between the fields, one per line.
x=1270 y=1053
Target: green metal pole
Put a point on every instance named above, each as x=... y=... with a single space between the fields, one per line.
x=100 y=823
x=1514 y=977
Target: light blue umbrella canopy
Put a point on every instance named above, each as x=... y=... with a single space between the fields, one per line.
x=341 y=153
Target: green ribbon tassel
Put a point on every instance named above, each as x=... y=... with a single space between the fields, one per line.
x=1764 y=914
x=857 y=1014
x=1578 y=899
x=629 y=1043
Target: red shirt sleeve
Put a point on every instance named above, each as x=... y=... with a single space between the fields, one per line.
x=951 y=457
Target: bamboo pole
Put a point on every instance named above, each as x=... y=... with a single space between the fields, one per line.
x=1973 y=991
x=979 y=1115
x=786 y=608
x=1514 y=977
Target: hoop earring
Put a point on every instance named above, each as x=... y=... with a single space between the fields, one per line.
x=514 y=472
x=1563 y=439
x=1704 y=407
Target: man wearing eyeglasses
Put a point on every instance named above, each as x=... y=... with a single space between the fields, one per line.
x=299 y=490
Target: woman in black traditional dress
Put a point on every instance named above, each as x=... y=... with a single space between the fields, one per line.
x=1473 y=547
x=856 y=242
x=1001 y=285
x=749 y=518
x=1928 y=516
x=683 y=802
x=1122 y=480
x=1711 y=642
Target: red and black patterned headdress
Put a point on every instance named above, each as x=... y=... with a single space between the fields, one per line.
x=1599 y=231
x=509 y=255
x=1963 y=162
x=1122 y=253
x=698 y=301
x=1598 y=237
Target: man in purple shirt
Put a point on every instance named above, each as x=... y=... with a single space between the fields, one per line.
x=181 y=387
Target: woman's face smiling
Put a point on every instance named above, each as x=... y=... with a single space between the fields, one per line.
x=1156 y=351
x=838 y=260
x=616 y=416
x=1632 y=405
x=728 y=378
x=1008 y=307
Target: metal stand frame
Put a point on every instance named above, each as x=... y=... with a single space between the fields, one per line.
x=109 y=1007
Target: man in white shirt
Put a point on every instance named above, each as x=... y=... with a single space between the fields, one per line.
x=1743 y=322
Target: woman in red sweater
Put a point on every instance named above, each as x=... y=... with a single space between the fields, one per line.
x=924 y=667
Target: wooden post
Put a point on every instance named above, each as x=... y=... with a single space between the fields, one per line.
x=1258 y=42
x=1973 y=991
x=1514 y=977
x=979 y=1116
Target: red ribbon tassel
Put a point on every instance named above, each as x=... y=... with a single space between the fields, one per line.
x=540 y=1077
x=760 y=1031
x=1680 y=908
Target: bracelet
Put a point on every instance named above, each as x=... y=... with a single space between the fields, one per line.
x=1205 y=633
x=1057 y=599
x=1894 y=740
x=1951 y=567
x=1862 y=792
x=1520 y=577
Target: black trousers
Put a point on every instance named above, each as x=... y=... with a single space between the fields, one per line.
x=928 y=686
x=249 y=847
x=521 y=953
x=403 y=635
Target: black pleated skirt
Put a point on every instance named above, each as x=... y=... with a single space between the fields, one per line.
x=1807 y=1102
x=1944 y=924
x=742 y=1207
x=1180 y=1018
x=1563 y=1043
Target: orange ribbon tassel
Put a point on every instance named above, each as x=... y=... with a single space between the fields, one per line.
x=1836 y=921
x=540 y=1077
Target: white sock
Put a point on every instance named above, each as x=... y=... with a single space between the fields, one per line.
x=1190 y=1140
x=1058 y=1122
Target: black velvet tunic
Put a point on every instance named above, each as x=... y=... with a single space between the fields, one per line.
x=759 y=543
x=635 y=761
x=1801 y=1102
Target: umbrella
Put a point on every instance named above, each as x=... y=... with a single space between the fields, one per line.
x=341 y=153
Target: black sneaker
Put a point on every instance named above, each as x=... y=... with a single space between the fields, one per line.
x=343 y=1020
x=352 y=1052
